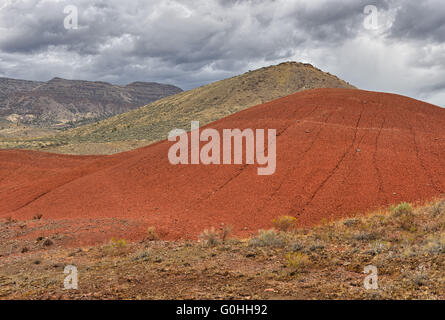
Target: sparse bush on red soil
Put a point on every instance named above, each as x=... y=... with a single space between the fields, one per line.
x=268 y=238
x=323 y=262
x=151 y=234
x=210 y=237
x=285 y=223
x=297 y=261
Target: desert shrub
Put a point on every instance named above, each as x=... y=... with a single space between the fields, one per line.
x=435 y=245
x=121 y=243
x=351 y=222
x=284 y=223
x=210 y=237
x=377 y=247
x=225 y=231
x=141 y=255
x=297 y=261
x=151 y=234
x=403 y=208
x=365 y=236
x=296 y=246
x=38 y=216
x=408 y=252
x=431 y=226
x=407 y=222
x=377 y=220
x=316 y=246
x=116 y=247
x=267 y=238
x=437 y=208
x=404 y=215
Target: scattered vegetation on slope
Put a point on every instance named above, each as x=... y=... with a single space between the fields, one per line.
x=327 y=261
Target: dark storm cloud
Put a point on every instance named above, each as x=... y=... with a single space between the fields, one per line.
x=179 y=32
x=193 y=42
x=36 y=25
x=420 y=20
x=439 y=87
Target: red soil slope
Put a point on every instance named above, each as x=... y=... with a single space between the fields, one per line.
x=339 y=152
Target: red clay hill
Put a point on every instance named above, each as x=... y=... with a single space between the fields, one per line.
x=339 y=152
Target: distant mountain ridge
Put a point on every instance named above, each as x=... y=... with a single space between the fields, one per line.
x=205 y=104
x=60 y=103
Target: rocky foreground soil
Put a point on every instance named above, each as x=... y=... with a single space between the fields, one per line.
x=405 y=245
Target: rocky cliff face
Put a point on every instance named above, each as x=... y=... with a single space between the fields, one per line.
x=68 y=103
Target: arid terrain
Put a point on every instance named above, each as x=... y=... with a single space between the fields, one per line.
x=407 y=246
x=346 y=162
x=339 y=153
x=137 y=227
x=212 y=156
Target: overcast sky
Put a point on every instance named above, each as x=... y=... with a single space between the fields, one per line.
x=191 y=43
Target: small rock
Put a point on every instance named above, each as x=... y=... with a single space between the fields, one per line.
x=48 y=242
x=24 y=249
